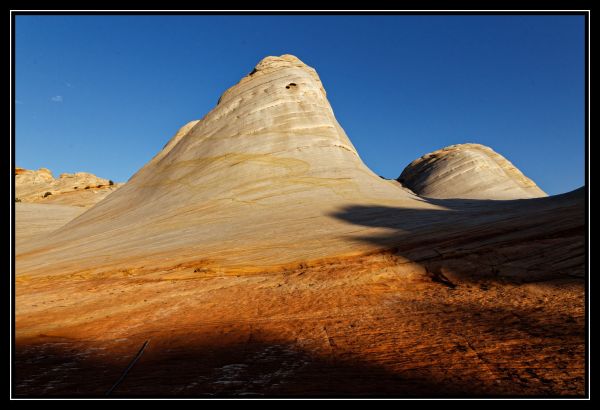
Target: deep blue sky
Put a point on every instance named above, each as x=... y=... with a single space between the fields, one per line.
x=103 y=94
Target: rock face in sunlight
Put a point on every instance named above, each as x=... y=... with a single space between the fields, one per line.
x=467 y=171
x=251 y=178
x=79 y=189
x=256 y=254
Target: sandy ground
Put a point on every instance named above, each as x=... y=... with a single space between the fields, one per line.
x=32 y=221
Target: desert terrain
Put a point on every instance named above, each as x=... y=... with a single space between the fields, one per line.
x=257 y=255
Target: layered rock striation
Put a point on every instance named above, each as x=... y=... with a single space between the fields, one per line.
x=471 y=171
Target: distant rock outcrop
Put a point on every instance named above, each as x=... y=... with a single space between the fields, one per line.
x=78 y=189
x=467 y=171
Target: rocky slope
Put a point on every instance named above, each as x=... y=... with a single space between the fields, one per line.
x=257 y=255
x=471 y=171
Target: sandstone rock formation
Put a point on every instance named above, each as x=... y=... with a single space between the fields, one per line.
x=78 y=189
x=471 y=171
x=257 y=254
x=261 y=158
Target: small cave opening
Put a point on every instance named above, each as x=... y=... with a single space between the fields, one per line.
x=290 y=85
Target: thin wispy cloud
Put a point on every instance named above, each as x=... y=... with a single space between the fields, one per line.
x=57 y=98
x=19 y=102
x=68 y=84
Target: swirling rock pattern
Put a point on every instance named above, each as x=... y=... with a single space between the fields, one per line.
x=269 y=159
x=471 y=171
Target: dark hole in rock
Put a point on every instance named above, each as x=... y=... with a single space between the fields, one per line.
x=290 y=85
